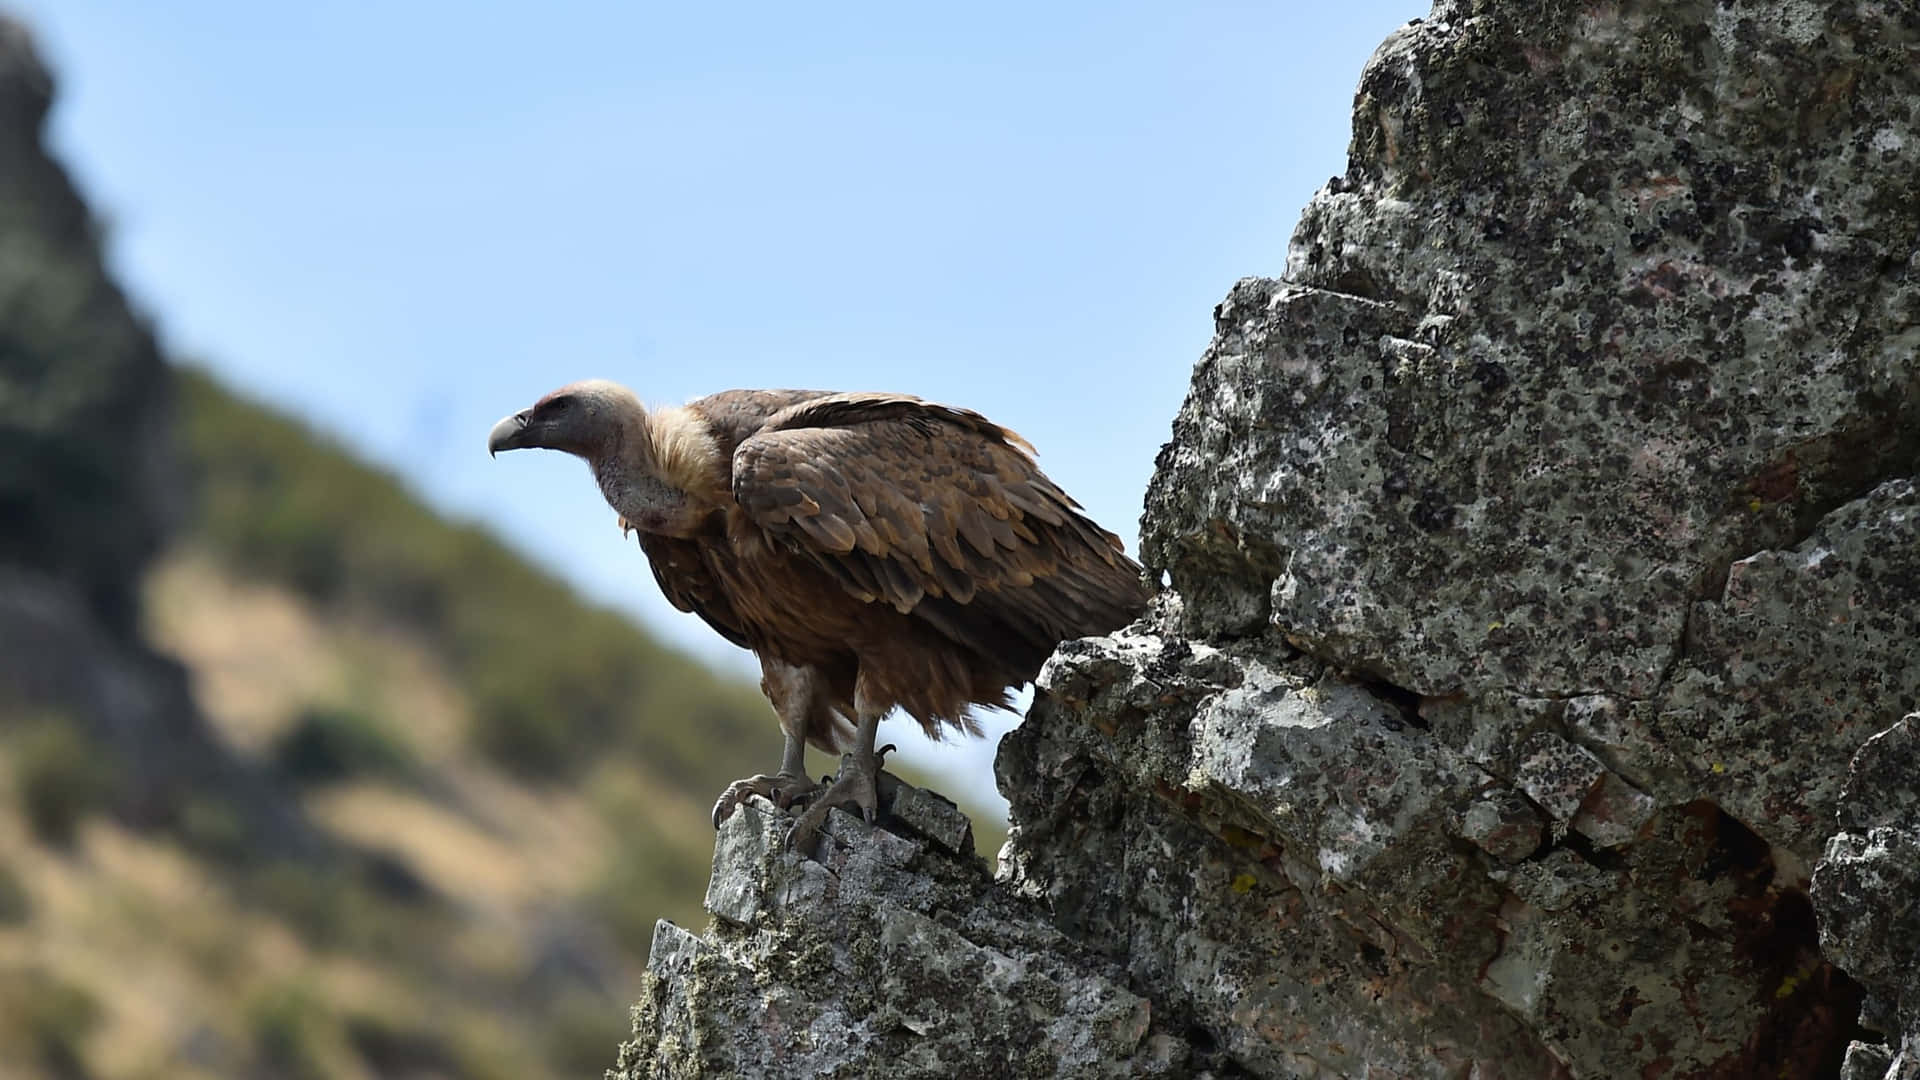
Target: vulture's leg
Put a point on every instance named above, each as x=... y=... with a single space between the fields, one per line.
x=858 y=783
x=795 y=694
x=790 y=785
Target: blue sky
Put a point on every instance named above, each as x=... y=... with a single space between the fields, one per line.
x=405 y=220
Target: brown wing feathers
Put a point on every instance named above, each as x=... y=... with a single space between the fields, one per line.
x=839 y=410
x=940 y=513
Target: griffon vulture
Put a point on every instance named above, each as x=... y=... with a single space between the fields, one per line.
x=873 y=550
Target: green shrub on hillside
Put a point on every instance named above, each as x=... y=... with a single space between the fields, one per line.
x=61 y=776
x=330 y=742
x=393 y=1048
x=48 y=1015
x=286 y=1023
x=16 y=907
x=212 y=826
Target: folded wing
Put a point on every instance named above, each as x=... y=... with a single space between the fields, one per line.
x=940 y=513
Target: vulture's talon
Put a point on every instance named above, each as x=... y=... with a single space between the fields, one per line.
x=791 y=793
x=780 y=789
x=857 y=786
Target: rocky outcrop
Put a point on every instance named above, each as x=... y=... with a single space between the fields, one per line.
x=892 y=955
x=85 y=484
x=1540 y=550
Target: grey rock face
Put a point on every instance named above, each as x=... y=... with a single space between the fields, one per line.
x=1607 y=299
x=1584 y=420
x=892 y=957
x=1803 y=655
x=1867 y=895
x=1310 y=886
x=1542 y=549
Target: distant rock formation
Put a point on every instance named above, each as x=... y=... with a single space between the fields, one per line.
x=1542 y=548
x=89 y=489
x=85 y=481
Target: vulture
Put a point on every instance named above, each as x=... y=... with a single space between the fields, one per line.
x=873 y=551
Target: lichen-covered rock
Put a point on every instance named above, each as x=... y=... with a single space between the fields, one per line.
x=1542 y=547
x=1867 y=895
x=1609 y=297
x=1583 y=426
x=1803 y=655
x=1869 y=1061
x=1580 y=432
x=1313 y=903
x=892 y=957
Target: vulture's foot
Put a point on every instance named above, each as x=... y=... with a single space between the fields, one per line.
x=782 y=789
x=858 y=784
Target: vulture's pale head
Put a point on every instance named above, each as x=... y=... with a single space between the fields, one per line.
x=661 y=470
x=590 y=419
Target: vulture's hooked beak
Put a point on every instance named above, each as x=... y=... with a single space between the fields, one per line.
x=508 y=433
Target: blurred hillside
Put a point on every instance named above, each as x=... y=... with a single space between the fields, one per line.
x=487 y=818
x=297 y=778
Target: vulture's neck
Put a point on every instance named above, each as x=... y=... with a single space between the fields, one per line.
x=664 y=471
